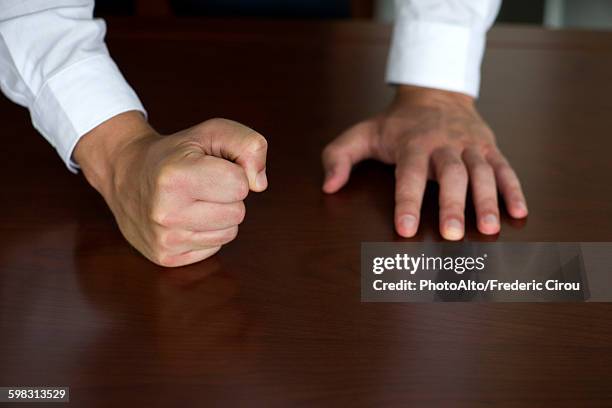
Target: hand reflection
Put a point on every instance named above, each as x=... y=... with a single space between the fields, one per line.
x=182 y=322
x=201 y=322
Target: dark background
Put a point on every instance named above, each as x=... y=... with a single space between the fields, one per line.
x=515 y=11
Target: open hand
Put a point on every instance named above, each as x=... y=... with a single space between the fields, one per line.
x=436 y=134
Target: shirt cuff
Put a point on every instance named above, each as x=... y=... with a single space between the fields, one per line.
x=436 y=55
x=79 y=98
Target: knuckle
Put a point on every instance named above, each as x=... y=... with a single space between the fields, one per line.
x=165 y=259
x=161 y=216
x=452 y=206
x=229 y=235
x=517 y=187
x=407 y=205
x=405 y=192
x=222 y=237
x=168 y=177
x=453 y=167
x=410 y=174
x=487 y=204
x=236 y=178
x=235 y=172
x=211 y=251
x=494 y=155
x=166 y=240
x=257 y=142
x=506 y=172
x=482 y=169
x=330 y=151
x=238 y=213
x=402 y=172
x=242 y=190
x=158 y=215
x=414 y=144
x=461 y=171
x=161 y=257
x=489 y=149
x=216 y=122
x=516 y=193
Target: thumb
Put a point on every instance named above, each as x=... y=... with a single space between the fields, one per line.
x=233 y=141
x=346 y=150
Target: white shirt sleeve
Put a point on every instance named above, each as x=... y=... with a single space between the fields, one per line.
x=53 y=61
x=440 y=43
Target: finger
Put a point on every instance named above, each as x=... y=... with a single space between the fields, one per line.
x=205 y=216
x=509 y=185
x=202 y=177
x=238 y=143
x=453 y=178
x=410 y=182
x=180 y=241
x=186 y=258
x=484 y=191
x=206 y=239
x=346 y=150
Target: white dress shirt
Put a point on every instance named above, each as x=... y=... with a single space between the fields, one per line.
x=440 y=43
x=53 y=60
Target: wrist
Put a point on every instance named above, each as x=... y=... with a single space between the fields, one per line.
x=431 y=96
x=100 y=152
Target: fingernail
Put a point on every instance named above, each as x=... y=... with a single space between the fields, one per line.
x=521 y=207
x=329 y=174
x=261 y=180
x=453 y=229
x=490 y=219
x=408 y=222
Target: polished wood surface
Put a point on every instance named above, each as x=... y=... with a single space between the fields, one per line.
x=275 y=318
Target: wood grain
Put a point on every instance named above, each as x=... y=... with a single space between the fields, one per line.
x=275 y=319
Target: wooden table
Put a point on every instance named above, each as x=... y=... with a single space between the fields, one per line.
x=275 y=318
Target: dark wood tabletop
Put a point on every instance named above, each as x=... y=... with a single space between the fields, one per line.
x=275 y=318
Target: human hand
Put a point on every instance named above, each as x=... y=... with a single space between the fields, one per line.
x=178 y=198
x=436 y=134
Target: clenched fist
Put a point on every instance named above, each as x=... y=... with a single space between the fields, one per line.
x=177 y=198
x=434 y=134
